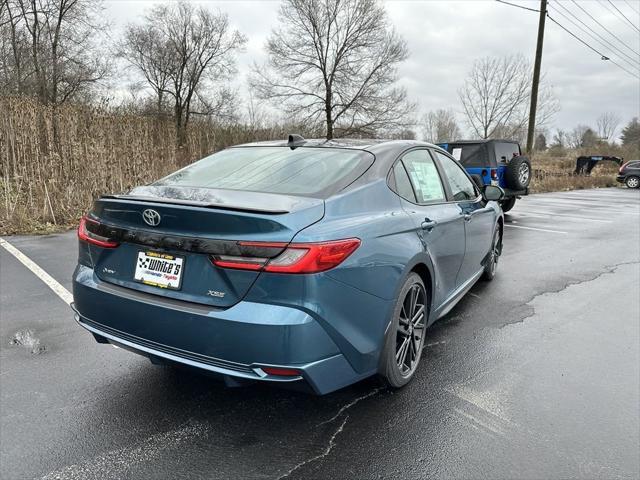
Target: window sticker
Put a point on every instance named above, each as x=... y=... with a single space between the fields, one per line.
x=426 y=181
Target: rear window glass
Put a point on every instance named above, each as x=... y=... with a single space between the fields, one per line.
x=303 y=171
x=506 y=151
x=470 y=155
x=403 y=184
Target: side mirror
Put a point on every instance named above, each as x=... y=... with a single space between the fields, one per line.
x=492 y=193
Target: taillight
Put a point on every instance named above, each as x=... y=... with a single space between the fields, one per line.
x=494 y=174
x=622 y=167
x=295 y=258
x=281 y=372
x=86 y=234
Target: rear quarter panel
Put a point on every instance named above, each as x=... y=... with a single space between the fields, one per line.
x=355 y=299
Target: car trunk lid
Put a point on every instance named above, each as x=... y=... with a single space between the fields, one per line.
x=193 y=223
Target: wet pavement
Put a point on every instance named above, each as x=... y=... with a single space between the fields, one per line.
x=534 y=375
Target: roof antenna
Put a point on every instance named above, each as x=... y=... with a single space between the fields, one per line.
x=295 y=140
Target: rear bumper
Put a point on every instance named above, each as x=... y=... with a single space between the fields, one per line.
x=234 y=342
x=515 y=193
x=621 y=178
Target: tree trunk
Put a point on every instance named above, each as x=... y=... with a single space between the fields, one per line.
x=180 y=133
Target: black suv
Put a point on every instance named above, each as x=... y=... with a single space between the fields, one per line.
x=629 y=174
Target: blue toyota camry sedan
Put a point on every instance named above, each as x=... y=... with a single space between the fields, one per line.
x=308 y=263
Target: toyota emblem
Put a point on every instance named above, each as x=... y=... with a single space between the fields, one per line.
x=151 y=217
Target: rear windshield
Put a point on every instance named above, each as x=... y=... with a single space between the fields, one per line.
x=505 y=151
x=313 y=172
x=470 y=155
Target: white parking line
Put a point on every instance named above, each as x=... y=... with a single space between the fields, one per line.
x=51 y=282
x=553 y=214
x=537 y=229
x=593 y=206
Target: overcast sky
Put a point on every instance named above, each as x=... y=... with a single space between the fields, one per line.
x=444 y=37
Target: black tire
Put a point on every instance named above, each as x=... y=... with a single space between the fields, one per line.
x=508 y=203
x=405 y=338
x=494 y=255
x=518 y=173
x=632 y=181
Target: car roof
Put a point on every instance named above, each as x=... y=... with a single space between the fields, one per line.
x=370 y=145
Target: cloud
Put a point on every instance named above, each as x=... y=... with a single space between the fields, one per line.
x=445 y=37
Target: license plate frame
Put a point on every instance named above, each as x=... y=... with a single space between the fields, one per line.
x=143 y=274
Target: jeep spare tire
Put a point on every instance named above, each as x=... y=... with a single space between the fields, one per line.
x=518 y=173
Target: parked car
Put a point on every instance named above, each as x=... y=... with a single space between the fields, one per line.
x=308 y=263
x=629 y=174
x=495 y=162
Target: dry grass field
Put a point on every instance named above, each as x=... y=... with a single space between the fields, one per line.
x=53 y=163
x=556 y=174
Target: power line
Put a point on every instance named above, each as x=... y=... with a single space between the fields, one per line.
x=631 y=7
x=605 y=28
x=608 y=9
x=519 y=6
x=610 y=45
x=603 y=57
x=625 y=17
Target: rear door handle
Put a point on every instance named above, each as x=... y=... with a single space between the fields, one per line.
x=428 y=224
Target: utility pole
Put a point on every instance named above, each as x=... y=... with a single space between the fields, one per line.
x=536 y=77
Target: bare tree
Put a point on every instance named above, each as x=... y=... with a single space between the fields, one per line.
x=495 y=97
x=440 y=126
x=541 y=142
x=333 y=62
x=607 y=125
x=560 y=138
x=582 y=136
x=51 y=48
x=145 y=48
x=184 y=53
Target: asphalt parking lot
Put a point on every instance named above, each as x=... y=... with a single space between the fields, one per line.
x=534 y=375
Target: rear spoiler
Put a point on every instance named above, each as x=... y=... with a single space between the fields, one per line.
x=195 y=203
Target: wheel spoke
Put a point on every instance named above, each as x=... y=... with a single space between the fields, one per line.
x=416 y=346
x=403 y=312
x=417 y=315
x=409 y=354
x=414 y=298
x=402 y=351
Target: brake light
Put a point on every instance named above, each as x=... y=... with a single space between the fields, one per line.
x=86 y=235
x=622 y=167
x=494 y=174
x=295 y=258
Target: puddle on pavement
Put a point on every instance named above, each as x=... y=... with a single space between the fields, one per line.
x=28 y=339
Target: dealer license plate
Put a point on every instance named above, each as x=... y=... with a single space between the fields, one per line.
x=159 y=270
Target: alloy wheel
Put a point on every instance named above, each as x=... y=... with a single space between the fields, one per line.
x=632 y=182
x=495 y=253
x=411 y=328
x=523 y=174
